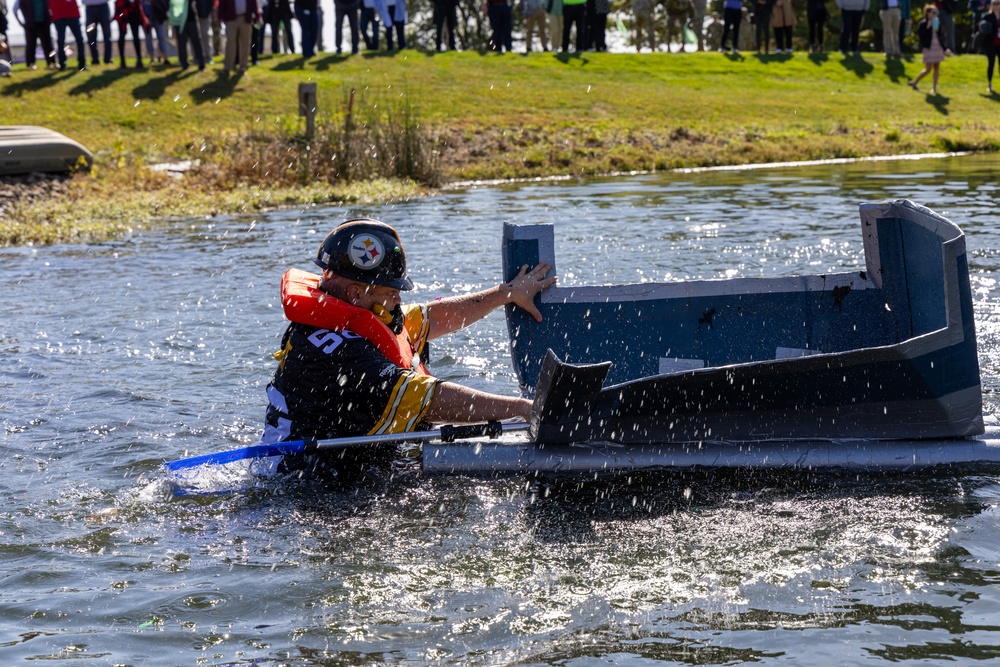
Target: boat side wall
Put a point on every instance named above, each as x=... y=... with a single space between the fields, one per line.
x=525 y=244
x=650 y=329
x=647 y=329
x=927 y=266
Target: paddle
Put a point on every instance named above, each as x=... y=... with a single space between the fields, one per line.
x=446 y=433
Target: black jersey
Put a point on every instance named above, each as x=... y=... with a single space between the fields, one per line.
x=333 y=384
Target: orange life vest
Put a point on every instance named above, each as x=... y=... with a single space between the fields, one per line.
x=304 y=302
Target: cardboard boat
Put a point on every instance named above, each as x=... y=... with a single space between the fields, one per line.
x=871 y=370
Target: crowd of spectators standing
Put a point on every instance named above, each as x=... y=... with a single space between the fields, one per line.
x=197 y=32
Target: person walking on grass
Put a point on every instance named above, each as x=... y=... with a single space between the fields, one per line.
x=932 y=38
x=642 y=13
x=346 y=9
x=816 y=15
x=184 y=19
x=446 y=16
x=158 y=12
x=239 y=17
x=368 y=24
x=574 y=13
x=946 y=15
x=989 y=27
x=597 y=26
x=783 y=22
x=535 y=18
x=305 y=14
x=891 y=16
x=36 y=19
x=852 y=12
x=501 y=19
x=5 y=56
x=206 y=20
x=395 y=24
x=732 y=17
x=555 y=12
x=762 y=21
x=129 y=14
x=3 y=28
x=280 y=20
x=66 y=16
x=97 y=14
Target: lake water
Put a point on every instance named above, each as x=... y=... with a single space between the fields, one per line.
x=115 y=357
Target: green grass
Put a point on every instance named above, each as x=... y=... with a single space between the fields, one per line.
x=493 y=116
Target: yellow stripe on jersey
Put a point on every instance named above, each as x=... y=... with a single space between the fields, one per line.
x=417 y=325
x=282 y=354
x=407 y=405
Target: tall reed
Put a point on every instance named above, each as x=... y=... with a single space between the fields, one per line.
x=380 y=137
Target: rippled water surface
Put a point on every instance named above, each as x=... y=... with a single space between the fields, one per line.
x=119 y=356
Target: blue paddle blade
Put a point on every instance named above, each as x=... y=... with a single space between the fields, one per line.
x=224 y=472
x=244 y=453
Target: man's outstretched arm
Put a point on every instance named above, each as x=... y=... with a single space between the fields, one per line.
x=454 y=313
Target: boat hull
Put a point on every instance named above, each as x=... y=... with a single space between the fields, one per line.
x=601 y=459
x=25 y=149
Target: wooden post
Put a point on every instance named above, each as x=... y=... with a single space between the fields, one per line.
x=307 y=107
x=350 y=114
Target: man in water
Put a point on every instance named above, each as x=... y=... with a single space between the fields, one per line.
x=352 y=361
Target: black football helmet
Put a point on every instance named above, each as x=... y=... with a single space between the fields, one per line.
x=367 y=251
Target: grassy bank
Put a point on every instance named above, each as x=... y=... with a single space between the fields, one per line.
x=474 y=116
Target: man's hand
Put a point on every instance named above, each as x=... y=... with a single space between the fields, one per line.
x=453 y=313
x=521 y=290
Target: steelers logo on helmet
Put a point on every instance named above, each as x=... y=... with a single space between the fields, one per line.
x=366 y=251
